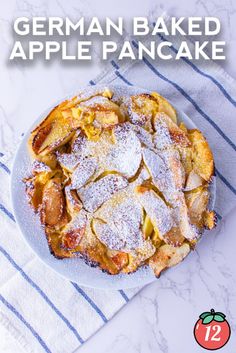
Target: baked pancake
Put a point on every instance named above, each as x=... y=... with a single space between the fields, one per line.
x=118 y=181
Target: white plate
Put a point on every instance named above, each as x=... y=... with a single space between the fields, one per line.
x=73 y=269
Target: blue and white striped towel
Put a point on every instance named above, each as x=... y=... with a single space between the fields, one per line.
x=48 y=313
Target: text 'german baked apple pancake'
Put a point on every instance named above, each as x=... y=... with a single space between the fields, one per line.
x=118 y=181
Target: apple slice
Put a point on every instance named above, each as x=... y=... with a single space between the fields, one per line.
x=74 y=230
x=157 y=210
x=83 y=172
x=174 y=237
x=72 y=201
x=203 y=162
x=54 y=131
x=106 y=112
x=141 y=109
x=139 y=256
x=96 y=193
x=183 y=219
x=167 y=256
x=108 y=235
x=34 y=190
x=40 y=137
x=166 y=171
x=68 y=161
x=125 y=155
x=144 y=136
x=53 y=212
x=193 y=181
x=165 y=106
x=197 y=202
x=167 y=132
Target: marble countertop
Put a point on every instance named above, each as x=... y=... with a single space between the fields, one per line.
x=161 y=317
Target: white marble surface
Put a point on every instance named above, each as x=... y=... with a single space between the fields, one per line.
x=161 y=317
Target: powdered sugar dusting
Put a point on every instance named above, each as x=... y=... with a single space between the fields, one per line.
x=188 y=230
x=119 y=151
x=158 y=170
x=70 y=199
x=94 y=101
x=123 y=217
x=124 y=155
x=83 y=172
x=136 y=117
x=39 y=167
x=144 y=136
x=96 y=193
x=68 y=161
x=79 y=145
x=161 y=137
x=166 y=171
x=108 y=235
x=159 y=213
x=79 y=221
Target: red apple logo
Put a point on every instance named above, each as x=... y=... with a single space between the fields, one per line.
x=212 y=330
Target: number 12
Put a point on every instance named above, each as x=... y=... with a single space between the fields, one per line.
x=216 y=329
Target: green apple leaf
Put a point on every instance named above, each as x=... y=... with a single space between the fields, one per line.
x=208 y=319
x=219 y=318
x=205 y=314
x=221 y=314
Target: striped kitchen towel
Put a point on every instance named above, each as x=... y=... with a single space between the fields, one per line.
x=46 y=313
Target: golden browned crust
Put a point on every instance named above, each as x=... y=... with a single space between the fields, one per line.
x=167 y=256
x=165 y=106
x=202 y=157
x=210 y=219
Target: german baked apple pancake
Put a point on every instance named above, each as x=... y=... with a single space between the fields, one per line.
x=120 y=182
